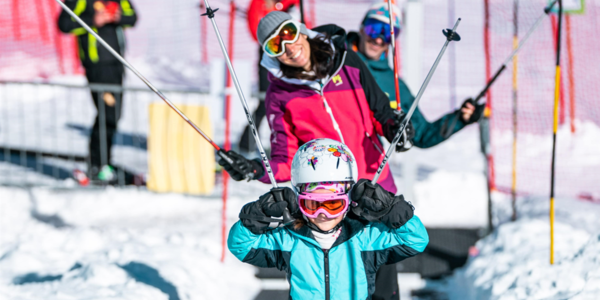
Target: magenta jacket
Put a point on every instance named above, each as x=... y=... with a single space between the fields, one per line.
x=348 y=106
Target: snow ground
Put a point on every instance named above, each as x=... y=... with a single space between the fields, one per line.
x=100 y=234
x=513 y=262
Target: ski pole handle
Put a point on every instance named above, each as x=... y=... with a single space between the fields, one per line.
x=225 y=157
x=287 y=216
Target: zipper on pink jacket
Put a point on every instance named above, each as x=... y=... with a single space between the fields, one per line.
x=336 y=126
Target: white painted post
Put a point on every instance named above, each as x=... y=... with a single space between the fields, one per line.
x=412 y=49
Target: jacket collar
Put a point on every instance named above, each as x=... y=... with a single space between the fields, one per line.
x=351 y=226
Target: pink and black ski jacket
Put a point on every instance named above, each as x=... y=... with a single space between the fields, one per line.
x=347 y=106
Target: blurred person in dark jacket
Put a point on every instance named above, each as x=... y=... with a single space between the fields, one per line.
x=108 y=19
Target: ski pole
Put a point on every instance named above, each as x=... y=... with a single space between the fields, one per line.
x=394 y=56
x=537 y=23
x=220 y=152
x=451 y=35
x=210 y=13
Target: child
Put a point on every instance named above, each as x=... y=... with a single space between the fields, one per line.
x=337 y=243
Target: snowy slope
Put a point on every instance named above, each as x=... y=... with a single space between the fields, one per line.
x=513 y=262
x=100 y=236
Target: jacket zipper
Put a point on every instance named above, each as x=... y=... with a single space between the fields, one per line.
x=336 y=126
x=326 y=255
x=330 y=112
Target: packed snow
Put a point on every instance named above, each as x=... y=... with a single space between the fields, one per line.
x=88 y=244
x=514 y=261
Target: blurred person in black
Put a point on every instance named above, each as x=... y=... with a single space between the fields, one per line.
x=108 y=19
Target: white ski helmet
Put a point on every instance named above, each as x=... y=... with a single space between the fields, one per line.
x=322 y=160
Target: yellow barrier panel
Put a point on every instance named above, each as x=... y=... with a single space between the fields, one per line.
x=179 y=159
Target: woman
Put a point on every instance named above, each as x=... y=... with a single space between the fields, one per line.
x=318 y=90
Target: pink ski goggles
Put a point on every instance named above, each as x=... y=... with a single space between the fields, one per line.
x=330 y=204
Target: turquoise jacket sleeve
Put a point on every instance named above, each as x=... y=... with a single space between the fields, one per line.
x=262 y=250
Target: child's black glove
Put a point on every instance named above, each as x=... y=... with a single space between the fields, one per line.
x=258 y=216
x=374 y=204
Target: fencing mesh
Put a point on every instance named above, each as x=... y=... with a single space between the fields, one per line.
x=173 y=45
x=577 y=160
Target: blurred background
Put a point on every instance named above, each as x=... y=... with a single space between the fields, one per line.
x=155 y=229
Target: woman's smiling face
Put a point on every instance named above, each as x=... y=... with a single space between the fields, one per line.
x=297 y=54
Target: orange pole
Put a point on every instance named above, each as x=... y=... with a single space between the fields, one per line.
x=394 y=54
x=57 y=40
x=203 y=37
x=16 y=20
x=570 y=74
x=227 y=131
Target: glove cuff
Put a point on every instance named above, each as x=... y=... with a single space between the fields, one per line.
x=400 y=213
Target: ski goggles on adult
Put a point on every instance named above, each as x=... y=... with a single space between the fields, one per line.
x=331 y=205
x=287 y=33
x=374 y=29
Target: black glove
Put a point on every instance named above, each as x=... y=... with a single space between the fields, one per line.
x=391 y=127
x=400 y=213
x=258 y=216
x=241 y=168
x=479 y=108
x=374 y=204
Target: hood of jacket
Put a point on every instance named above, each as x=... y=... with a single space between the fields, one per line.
x=338 y=43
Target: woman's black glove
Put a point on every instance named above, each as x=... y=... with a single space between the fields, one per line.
x=391 y=127
x=241 y=168
x=476 y=112
x=374 y=204
x=260 y=216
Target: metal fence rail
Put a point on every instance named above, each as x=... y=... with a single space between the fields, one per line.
x=45 y=130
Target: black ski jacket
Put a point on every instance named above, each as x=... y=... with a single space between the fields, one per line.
x=91 y=52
